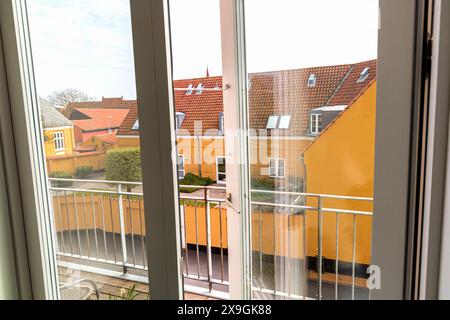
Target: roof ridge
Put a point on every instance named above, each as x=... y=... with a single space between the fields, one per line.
x=335 y=92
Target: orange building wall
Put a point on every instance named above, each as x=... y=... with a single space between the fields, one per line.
x=341 y=162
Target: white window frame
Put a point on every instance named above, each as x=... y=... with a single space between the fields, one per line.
x=181 y=156
x=398 y=33
x=284 y=122
x=59 y=141
x=36 y=266
x=315 y=120
x=272 y=122
x=398 y=25
x=312 y=80
x=277 y=167
x=220 y=173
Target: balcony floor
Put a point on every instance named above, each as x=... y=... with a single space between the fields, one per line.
x=110 y=287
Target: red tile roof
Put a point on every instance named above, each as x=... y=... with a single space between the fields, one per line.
x=204 y=107
x=271 y=93
x=287 y=93
x=126 y=129
x=101 y=119
x=106 y=103
x=350 y=88
x=108 y=138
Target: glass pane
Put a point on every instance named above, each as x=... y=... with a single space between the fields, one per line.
x=197 y=72
x=83 y=59
x=314 y=61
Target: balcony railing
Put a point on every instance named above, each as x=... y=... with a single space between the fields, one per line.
x=102 y=223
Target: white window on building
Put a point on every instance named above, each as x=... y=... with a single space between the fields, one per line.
x=199 y=89
x=190 y=90
x=180 y=167
x=221 y=122
x=364 y=75
x=316 y=123
x=136 y=125
x=221 y=170
x=285 y=122
x=179 y=119
x=277 y=168
x=58 y=138
x=272 y=122
x=312 y=81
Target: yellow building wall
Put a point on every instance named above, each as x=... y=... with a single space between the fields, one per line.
x=128 y=142
x=69 y=164
x=289 y=148
x=341 y=162
x=98 y=144
x=195 y=151
x=49 y=143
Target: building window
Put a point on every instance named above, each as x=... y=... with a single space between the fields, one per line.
x=199 y=89
x=190 y=90
x=364 y=75
x=58 y=138
x=179 y=119
x=180 y=167
x=312 y=81
x=221 y=169
x=285 y=122
x=221 y=122
x=277 y=168
x=272 y=122
x=136 y=125
x=316 y=123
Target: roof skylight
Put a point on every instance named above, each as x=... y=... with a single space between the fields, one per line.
x=190 y=90
x=199 y=89
x=285 y=122
x=136 y=125
x=364 y=75
x=272 y=122
x=312 y=80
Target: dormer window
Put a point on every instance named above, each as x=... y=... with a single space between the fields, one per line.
x=316 y=123
x=312 y=81
x=190 y=90
x=199 y=89
x=136 y=125
x=364 y=75
x=180 y=116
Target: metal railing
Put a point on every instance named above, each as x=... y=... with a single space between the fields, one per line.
x=98 y=221
x=312 y=203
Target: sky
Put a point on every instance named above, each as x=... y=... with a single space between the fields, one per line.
x=87 y=44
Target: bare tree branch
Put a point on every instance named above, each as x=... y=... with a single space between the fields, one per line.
x=62 y=98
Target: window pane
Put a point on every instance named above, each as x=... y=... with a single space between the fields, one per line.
x=83 y=59
x=325 y=78
x=197 y=83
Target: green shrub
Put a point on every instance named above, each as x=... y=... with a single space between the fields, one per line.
x=61 y=175
x=124 y=165
x=263 y=184
x=191 y=179
x=83 y=172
